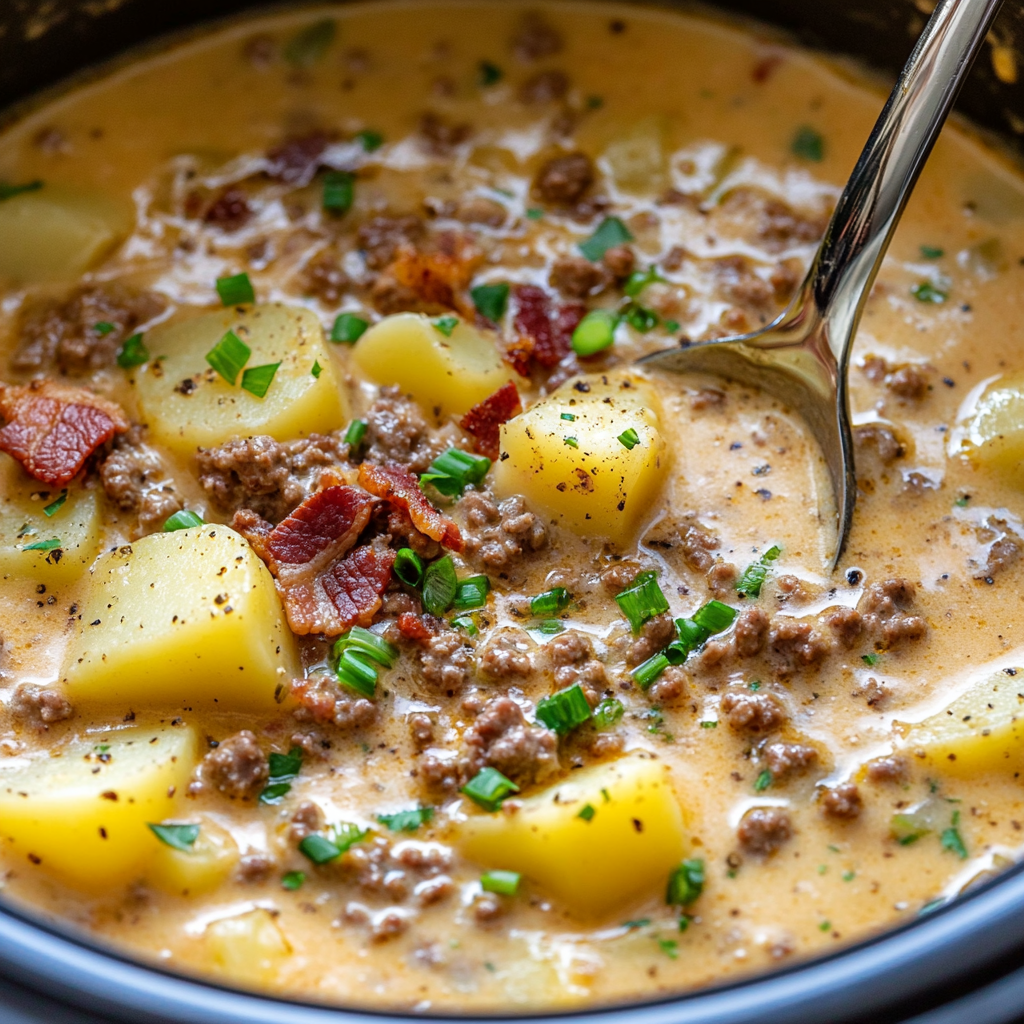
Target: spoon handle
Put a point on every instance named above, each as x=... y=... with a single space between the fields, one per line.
x=871 y=204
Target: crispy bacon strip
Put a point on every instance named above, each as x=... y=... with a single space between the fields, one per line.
x=325 y=587
x=441 y=277
x=394 y=483
x=417 y=627
x=52 y=429
x=543 y=331
x=484 y=421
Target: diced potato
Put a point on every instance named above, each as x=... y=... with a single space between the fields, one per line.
x=83 y=815
x=593 y=866
x=76 y=524
x=248 y=948
x=446 y=376
x=636 y=159
x=982 y=730
x=210 y=410
x=597 y=487
x=186 y=619
x=993 y=434
x=203 y=867
x=56 y=232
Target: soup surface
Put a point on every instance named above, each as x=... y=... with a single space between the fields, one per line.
x=373 y=631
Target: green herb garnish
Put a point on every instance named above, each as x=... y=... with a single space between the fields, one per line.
x=639 y=280
x=952 y=840
x=565 y=710
x=490 y=300
x=685 y=883
x=235 y=290
x=764 y=780
x=257 y=379
x=132 y=353
x=440 y=585
x=356 y=432
x=505 y=883
x=610 y=233
x=629 y=438
x=587 y=813
x=370 y=140
x=228 y=356
x=489 y=74
x=283 y=769
x=489 y=788
x=10 y=191
x=348 y=328
x=594 y=333
x=183 y=520
x=808 y=144
x=43 y=545
x=408 y=567
x=931 y=252
x=178 y=837
x=551 y=602
x=925 y=291
x=407 y=821
x=103 y=328
x=471 y=593
x=642 y=600
x=608 y=713
x=317 y=369
x=750 y=583
x=572 y=442
x=445 y=325
x=454 y=470
x=292 y=880
x=339 y=191
x=54 y=507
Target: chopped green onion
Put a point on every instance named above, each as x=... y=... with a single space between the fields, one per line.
x=715 y=616
x=54 y=507
x=357 y=673
x=308 y=45
x=908 y=827
x=369 y=644
x=183 y=520
x=132 y=353
x=369 y=140
x=454 y=470
x=963 y=501
x=471 y=593
x=408 y=567
x=642 y=600
x=672 y=326
x=505 y=883
x=952 y=840
x=824 y=926
x=639 y=280
x=490 y=300
x=931 y=252
x=608 y=713
x=317 y=369
x=228 y=356
x=610 y=233
x=406 y=821
x=490 y=74
x=629 y=438
x=691 y=637
x=551 y=602
x=339 y=191
x=572 y=442
x=43 y=545
x=763 y=781
x=565 y=710
x=925 y=291
x=257 y=379
x=534 y=213
x=356 y=432
x=440 y=585
x=685 y=883
x=348 y=328
x=750 y=583
x=669 y=947
x=178 y=837
x=10 y=191
x=489 y=788
x=235 y=290
x=275 y=792
x=445 y=325
x=594 y=333
x=465 y=622
x=870 y=659
x=292 y=880
x=808 y=144
x=319 y=849
x=646 y=673
x=568 y=416
x=587 y=813
x=640 y=318
x=103 y=328
x=709 y=724
x=550 y=627
x=345 y=835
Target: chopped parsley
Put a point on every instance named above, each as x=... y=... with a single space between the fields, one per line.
x=445 y=325
x=178 y=837
x=490 y=300
x=610 y=233
x=348 y=328
x=406 y=821
x=808 y=144
x=132 y=353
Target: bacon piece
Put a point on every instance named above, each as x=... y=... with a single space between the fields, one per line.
x=396 y=484
x=418 y=627
x=324 y=590
x=549 y=331
x=484 y=421
x=52 y=429
x=441 y=277
x=567 y=318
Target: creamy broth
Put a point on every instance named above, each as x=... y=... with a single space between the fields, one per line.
x=818 y=815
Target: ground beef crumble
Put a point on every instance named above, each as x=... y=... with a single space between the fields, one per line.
x=497 y=535
x=754 y=713
x=397 y=432
x=842 y=802
x=38 y=706
x=322 y=699
x=764 y=830
x=502 y=738
x=134 y=478
x=237 y=767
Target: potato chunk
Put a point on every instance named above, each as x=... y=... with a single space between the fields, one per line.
x=76 y=524
x=56 y=232
x=565 y=456
x=184 y=619
x=83 y=815
x=446 y=375
x=249 y=947
x=993 y=434
x=981 y=731
x=210 y=860
x=187 y=404
x=626 y=849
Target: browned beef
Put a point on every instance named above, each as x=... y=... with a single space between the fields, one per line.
x=237 y=767
x=134 y=479
x=842 y=802
x=755 y=713
x=536 y=38
x=497 y=536
x=564 y=180
x=502 y=738
x=397 y=432
x=578 y=278
x=38 y=706
x=544 y=87
x=764 y=830
x=785 y=759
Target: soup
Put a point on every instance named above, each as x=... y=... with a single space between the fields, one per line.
x=375 y=631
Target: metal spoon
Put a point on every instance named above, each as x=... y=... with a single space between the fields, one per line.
x=802 y=357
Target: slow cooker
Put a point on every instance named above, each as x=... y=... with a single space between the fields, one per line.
x=962 y=963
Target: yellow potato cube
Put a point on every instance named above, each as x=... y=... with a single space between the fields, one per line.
x=447 y=376
x=627 y=849
x=57 y=232
x=187 y=619
x=248 y=948
x=993 y=434
x=981 y=731
x=76 y=524
x=576 y=470
x=203 y=867
x=83 y=815
x=208 y=410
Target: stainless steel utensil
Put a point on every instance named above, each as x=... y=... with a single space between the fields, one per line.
x=802 y=357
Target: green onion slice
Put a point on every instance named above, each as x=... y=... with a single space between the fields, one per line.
x=685 y=883
x=454 y=470
x=550 y=627
x=608 y=713
x=466 y=623
x=228 y=356
x=317 y=369
x=551 y=602
x=490 y=300
x=587 y=812
x=505 y=883
x=932 y=252
x=132 y=353
x=471 y=593
x=356 y=432
x=357 y=673
x=319 y=849
x=8 y=191
x=292 y=880
x=346 y=835
x=178 y=837
x=640 y=318
x=639 y=280
x=750 y=583
x=408 y=567
x=490 y=74
x=257 y=379
x=103 y=328
x=715 y=616
x=572 y=442
x=629 y=438
x=446 y=324
x=440 y=586
x=610 y=233
x=808 y=144
x=54 y=507
x=369 y=140
x=763 y=781
x=339 y=191
x=348 y=328
x=927 y=292
x=594 y=333
x=488 y=788
x=406 y=821
x=235 y=290
x=183 y=520
x=367 y=643
x=43 y=545
x=642 y=600
x=565 y=710
x=646 y=673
